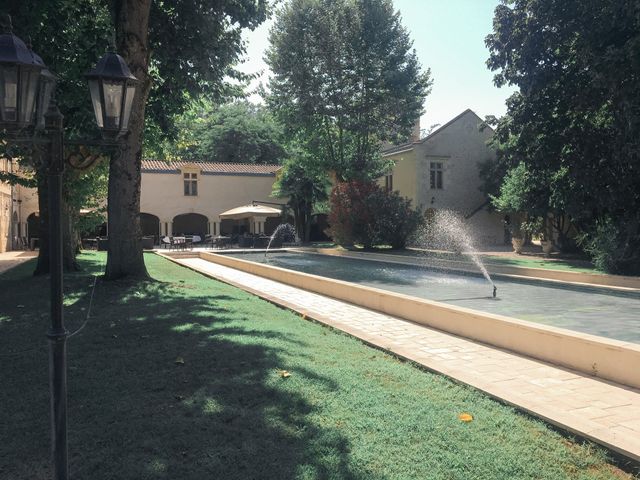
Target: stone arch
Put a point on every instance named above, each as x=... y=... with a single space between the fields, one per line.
x=33 y=225
x=190 y=224
x=150 y=226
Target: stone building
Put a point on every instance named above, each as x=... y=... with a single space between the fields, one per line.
x=188 y=197
x=19 y=221
x=441 y=171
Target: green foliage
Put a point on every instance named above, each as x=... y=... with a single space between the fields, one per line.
x=195 y=43
x=515 y=191
x=305 y=185
x=345 y=78
x=363 y=213
x=575 y=120
x=610 y=250
x=238 y=132
x=89 y=189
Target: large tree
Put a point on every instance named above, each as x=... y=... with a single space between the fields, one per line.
x=575 y=121
x=177 y=49
x=346 y=79
x=70 y=36
x=305 y=184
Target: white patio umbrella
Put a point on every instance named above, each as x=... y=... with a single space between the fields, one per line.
x=250 y=211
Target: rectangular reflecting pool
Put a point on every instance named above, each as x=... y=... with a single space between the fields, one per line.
x=584 y=309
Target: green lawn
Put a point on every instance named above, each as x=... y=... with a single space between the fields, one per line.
x=346 y=412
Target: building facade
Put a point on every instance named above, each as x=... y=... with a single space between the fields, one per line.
x=19 y=221
x=441 y=172
x=188 y=197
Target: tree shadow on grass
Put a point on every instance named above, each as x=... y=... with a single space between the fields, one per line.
x=136 y=413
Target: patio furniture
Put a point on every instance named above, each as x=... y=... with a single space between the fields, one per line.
x=180 y=243
x=90 y=243
x=221 y=241
x=147 y=243
x=103 y=244
x=166 y=242
x=245 y=241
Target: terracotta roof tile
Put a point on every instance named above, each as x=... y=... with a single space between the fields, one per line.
x=211 y=167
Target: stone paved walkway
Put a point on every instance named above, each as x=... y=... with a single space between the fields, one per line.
x=606 y=413
x=11 y=259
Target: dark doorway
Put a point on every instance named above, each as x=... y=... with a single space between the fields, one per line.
x=150 y=225
x=190 y=224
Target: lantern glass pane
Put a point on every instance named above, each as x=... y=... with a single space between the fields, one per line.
x=128 y=102
x=29 y=79
x=9 y=93
x=94 y=88
x=46 y=89
x=113 y=91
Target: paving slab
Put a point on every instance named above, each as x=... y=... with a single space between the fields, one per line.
x=11 y=259
x=604 y=412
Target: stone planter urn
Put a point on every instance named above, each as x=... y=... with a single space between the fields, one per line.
x=517 y=244
x=547 y=246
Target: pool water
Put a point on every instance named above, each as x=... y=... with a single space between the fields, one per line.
x=583 y=309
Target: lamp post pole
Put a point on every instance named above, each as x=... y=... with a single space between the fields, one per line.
x=27 y=89
x=57 y=335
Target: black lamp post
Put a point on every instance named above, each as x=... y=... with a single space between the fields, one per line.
x=112 y=89
x=19 y=83
x=26 y=89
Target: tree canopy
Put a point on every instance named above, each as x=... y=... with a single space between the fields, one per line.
x=178 y=49
x=575 y=121
x=346 y=79
x=239 y=132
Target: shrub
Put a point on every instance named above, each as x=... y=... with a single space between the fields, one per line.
x=364 y=213
x=611 y=248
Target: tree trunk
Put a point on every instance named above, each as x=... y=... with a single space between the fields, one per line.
x=307 y=223
x=69 y=262
x=125 y=258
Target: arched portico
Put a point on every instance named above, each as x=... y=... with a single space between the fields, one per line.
x=190 y=224
x=150 y=226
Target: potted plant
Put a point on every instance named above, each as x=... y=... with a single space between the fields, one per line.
x=518 y=234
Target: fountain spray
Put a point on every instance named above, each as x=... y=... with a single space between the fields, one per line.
x=284 y=229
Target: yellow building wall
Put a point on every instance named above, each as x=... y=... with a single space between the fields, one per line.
x=404 y=175
x=5 y=217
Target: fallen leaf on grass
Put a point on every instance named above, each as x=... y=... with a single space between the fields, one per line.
x=179 y=361
x=465 y=417
x=283 y=373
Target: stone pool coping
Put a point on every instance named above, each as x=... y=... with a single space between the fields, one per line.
x=594 y=280
x=600 y=357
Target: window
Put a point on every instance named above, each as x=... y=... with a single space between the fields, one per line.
x=191 y=184
x=435 y=175
x=388 y=183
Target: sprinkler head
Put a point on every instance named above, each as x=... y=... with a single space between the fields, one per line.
x=495 y=291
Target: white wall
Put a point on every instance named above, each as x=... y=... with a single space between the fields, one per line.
x=162 y=195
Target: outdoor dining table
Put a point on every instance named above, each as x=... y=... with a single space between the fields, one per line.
x=220 y=241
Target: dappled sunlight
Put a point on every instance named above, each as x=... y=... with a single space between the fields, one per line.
x=206 y=381
x=223 y=410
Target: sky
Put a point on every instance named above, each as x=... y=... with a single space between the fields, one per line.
x=448 y=36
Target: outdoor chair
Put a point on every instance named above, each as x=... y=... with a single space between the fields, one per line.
x=180 y=243
x=166 y=242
